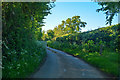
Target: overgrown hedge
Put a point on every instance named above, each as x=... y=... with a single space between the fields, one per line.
x=107 y=62
x=21 y=28
x=108 y=35
x=26 y=63
x=98 y=47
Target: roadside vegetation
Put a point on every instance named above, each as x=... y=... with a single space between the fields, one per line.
x=22 y=25
x=23 y=51
x=97 y=47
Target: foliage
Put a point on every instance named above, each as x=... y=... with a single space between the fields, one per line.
x=71 y=25
x=108 y=36
x=50 y=34
x=26 y=63
x=108 y=62
x=87 y=45
x=110 y=9
x=38 y=34
x=22 y=23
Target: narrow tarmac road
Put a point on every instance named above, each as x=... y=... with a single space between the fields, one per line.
x=62 y=65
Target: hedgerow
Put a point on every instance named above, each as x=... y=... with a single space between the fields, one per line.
x=98 y=47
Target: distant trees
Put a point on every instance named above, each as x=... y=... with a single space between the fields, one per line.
x=50 y=34
x=47 y=36
x=70 y=25
x=74 y=24
x=44 y=36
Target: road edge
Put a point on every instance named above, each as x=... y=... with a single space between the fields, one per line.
x=110 y=76
x=39 y=67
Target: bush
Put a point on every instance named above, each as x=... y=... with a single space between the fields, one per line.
x=108 y=62
x=28 y=61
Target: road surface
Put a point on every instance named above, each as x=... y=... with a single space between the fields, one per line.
x=63 y=65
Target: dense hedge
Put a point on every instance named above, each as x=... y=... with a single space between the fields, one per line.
x=22 y=23
x=107 y=62
x=98 y=47
x=108 y=35
x=26 y=63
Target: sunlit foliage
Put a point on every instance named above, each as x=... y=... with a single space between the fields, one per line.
x=110 y=9
x=98 y=47
x=70 y=25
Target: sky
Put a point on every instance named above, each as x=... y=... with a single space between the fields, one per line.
x=86 y=11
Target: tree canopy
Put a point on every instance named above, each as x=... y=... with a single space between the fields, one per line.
x=70 y=25
x=110 y=9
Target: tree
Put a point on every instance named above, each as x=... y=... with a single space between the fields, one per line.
x=110 y=9
x=74 y=24
x=44 y=36
x=20 y=22
x=70 y=25
x=20 y=26
x=55 y=30
x=50 y=34
x=39 y=34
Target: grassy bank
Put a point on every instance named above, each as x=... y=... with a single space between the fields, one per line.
x=107 y=62
x=98 y=47
x=29 y=59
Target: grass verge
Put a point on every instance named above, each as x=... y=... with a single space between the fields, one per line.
x=107 y=62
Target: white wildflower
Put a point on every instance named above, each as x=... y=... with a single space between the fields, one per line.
x=5 y=45
x=10 y=67
x=25 y=51
x=4 y=57
x=25 y=63
x=9 y=53
x=22 y=53
x=18 y=65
